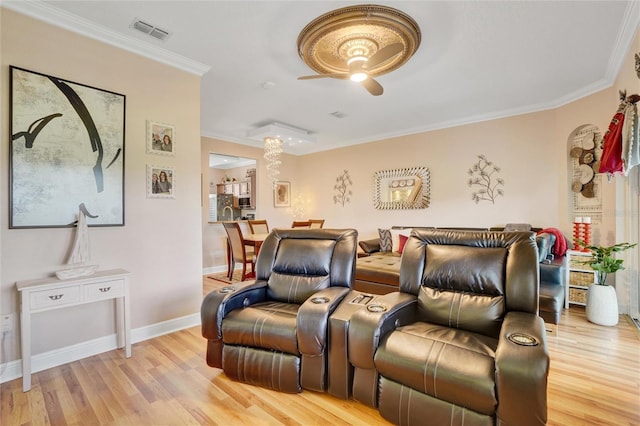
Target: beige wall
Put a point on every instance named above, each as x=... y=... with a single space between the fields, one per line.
x=521 y=146
x=161 y=242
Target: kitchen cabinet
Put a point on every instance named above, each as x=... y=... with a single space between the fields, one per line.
x=225 y=188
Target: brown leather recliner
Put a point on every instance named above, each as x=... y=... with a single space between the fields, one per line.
x=273 y=332
x=462 y=342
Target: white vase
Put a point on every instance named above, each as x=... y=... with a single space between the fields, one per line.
x=602 y=305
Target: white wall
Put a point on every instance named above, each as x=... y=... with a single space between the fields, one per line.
x=161 y=241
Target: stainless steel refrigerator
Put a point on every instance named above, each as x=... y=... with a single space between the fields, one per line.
x=224 y=208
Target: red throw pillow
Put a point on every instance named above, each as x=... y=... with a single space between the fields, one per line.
x=403 y=241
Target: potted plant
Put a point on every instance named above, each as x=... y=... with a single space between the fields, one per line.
x=602 y=302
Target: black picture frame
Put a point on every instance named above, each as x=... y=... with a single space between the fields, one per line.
x=67 y=148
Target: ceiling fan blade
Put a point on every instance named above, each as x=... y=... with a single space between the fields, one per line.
x=383 y=54
x=332 y=75
x=372 y=86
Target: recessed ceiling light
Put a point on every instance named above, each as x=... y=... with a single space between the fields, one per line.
x=281 y=131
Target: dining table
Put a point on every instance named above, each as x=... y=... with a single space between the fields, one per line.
x=255 y=241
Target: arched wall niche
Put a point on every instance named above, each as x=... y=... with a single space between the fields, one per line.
x=584 y=149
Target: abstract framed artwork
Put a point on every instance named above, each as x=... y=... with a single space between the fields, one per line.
x=160 y=138
x=282 y=194
x=66 y=149
x=161 y=181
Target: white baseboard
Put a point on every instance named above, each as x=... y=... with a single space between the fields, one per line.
x=13 y=369
x=214 y=270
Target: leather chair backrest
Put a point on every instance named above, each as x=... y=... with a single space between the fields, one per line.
x=469 y=280
x=298 y=262
x=545 y=242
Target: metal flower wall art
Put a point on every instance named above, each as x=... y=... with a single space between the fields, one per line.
x=483 y=179
x=343 y=193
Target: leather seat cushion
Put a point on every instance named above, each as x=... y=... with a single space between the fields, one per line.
x=269 y=325
x=381 y=268
x=453 y=365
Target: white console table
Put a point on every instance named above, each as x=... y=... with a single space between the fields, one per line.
x=51 y=293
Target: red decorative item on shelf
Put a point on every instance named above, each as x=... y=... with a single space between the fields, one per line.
x=582 y=233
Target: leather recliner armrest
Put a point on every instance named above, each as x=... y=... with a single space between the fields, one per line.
x=313 y=318
x=370 y=246
x=554 y=271
x=368 y=326
x=218 y=303
x=521 y=371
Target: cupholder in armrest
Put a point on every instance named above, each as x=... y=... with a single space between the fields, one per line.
x=376 y=308
x=523 y=339
x=319 y=300
x=227 y=289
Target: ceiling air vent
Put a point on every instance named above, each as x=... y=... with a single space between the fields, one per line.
x=149 y=29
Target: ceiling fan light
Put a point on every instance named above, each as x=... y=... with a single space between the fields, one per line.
x=357 y=58
x=358 y=76
x=330 y=44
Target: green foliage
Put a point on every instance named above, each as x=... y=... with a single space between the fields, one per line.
x=604 y=260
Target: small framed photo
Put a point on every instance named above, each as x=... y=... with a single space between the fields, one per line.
x=161 y=138
x=282 y=194
x=161 y=182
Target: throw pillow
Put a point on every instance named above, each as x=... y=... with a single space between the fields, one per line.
x=395 y=237
x=386 y=244
x=403 y=241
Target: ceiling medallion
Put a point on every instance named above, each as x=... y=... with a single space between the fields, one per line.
x=329 y=43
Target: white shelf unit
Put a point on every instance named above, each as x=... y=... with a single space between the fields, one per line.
x=579 y=277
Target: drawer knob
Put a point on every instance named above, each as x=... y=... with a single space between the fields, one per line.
x=105 y=289
x=56 y=296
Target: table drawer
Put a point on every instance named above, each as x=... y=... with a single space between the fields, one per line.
x=104 y=290
x=56 y=297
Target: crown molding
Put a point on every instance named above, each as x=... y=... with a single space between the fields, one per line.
x=630 y=24
x=54 y=16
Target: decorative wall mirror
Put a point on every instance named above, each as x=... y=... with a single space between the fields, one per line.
x=401 y=189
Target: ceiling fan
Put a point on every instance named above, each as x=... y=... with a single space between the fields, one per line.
x=359 y=67
x=358 y=43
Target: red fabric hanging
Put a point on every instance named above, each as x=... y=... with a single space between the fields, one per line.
x=611 y=160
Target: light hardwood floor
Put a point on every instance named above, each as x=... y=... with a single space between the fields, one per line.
x=594 y=380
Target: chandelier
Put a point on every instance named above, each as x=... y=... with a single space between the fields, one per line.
x=272 y=151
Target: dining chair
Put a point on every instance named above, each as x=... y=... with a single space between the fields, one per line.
x=301 y=224
x=316 y=223
x=238 y=251
x=258 y=226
